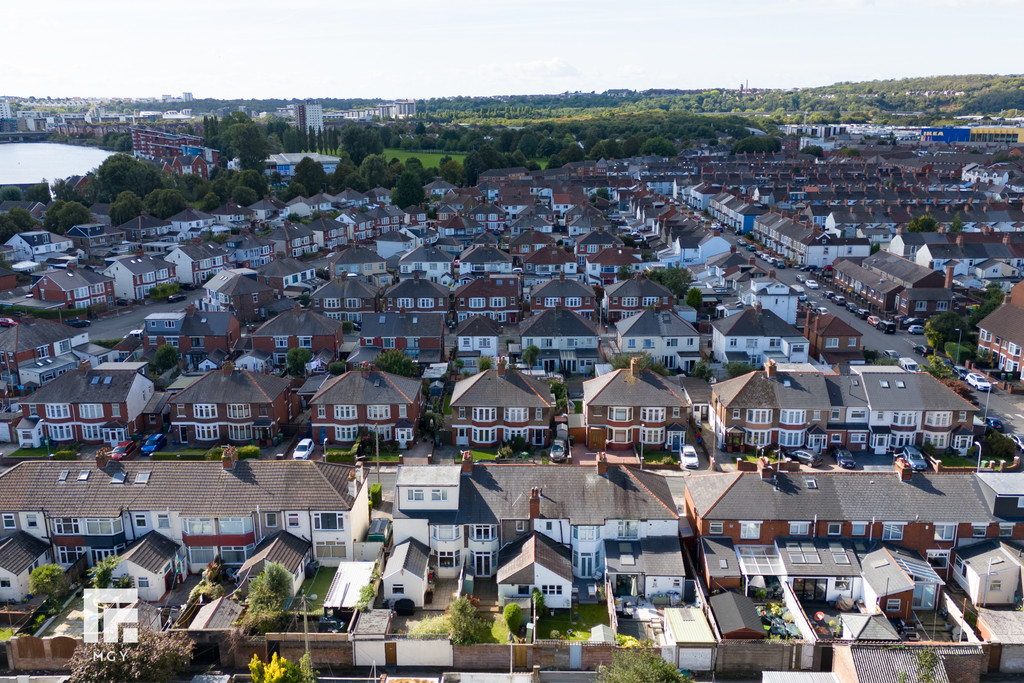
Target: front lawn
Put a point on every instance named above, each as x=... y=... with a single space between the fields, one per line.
x=660 y=458
x=30 y=453
x=181 y=454
x=956 y=461
x=446 y=408
x=572 y=624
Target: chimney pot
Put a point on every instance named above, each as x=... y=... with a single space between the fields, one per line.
x=84 y=367
x=765 y=469
x=535 y=503
x=102 y=457
x=467 y=462
x=227 y=368
x=769 y=369
x=602 y=463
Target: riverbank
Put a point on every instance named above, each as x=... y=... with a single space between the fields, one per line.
x=33 y=162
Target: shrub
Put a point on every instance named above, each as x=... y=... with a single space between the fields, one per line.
x=247 y=452
x=65 y=455
x=538 y=601
x=513 y=616
x=215 y=453
x=376 y=491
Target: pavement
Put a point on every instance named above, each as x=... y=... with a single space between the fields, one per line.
x=117 y=325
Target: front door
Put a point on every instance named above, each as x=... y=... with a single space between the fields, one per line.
x=816 y=441
x=461 y=436
x=482 y=564
x=586 y=565
x=182 y=434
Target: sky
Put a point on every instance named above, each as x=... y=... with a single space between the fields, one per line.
x=240 y=49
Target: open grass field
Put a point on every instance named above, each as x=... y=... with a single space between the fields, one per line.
x=428 y=159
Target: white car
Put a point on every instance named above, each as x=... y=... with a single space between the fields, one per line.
x=811 y=284
x=303 y=450
x=688 y=457
x=978 y=381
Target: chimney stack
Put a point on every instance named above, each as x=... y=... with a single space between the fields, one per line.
x=602 y=463
x=84 y=367
x=903 y=469
x=535 y=503
x=27 y=318
x=228 y=459
x=467 y=462
x=769 y=369
x=765 y=469
x=102 y=457
x=632 y=366
x=190 y=309
x=949 y=278
x=227 y=368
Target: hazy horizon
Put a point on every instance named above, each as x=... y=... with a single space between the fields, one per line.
x=400 y=49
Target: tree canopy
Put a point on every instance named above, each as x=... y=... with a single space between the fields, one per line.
x=395 y=362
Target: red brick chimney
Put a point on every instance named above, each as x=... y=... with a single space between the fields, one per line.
x=227 y=368
x=903 y=469
x=602 y=463
x=751 y=261
x=84 y=367
x=949 y=278
x=765 y=469
x=190 y=309
x=27 y=318
x=960 y=239
x=467 y=462
x=769 y=369
x=535 y=503
x=632 y=366
x=102 y=457
x=228 y=459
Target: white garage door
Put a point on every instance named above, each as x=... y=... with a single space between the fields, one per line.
x=695 y=659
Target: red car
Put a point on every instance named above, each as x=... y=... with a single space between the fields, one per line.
x=122 y=450
x=8 y=322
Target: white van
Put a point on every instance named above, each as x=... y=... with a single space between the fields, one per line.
x=801 y=293
x=909 y=364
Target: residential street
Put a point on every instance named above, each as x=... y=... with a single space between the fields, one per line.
x=117 y=325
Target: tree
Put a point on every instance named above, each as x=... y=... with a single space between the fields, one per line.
x=659 y=147
x=266 y=595
x=361 y=142
x=639 y=361
x=675 y=278
x=249 y=144
x=294 y=189
x=959 y=352
x=64 y=215
x=738 y=368
x=280 y=670
x=513 y=616
x=395 y=362
x=165 y=358
x=701 y=370
x=155 y=658
x=311 y=174
x=638 y=665
x=101 y=573
x=530 y=355
x=11 y=193
x=297 y=359
x=694 y=298
x=465 y=621
x=453 y=172
x=165 y=203
x=277 y=579
x=757 y=144
x=923 y=223
x=957 y=224
x=244 y=196
x=943 y=327
x=124 y=172
x=127 y=206
x=254 y=180
x=408 y=190
x=374 y=170
x=962 y=389
x=49 y=580
x=813 y=150
x=209 y=202
x=40 y=192
x=484 y=363
x=336 y=368
x=623 y=273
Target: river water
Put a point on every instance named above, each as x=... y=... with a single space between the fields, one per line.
x=31 y=162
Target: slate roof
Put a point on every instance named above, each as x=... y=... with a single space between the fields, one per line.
x=426 y=254
x=650 y=323
x=517 y=560
x=398 y=325
x=241 y=386
x=234 y=283
x=283 y=267
x=283 y=548
x=803 y=556
x=557 y=323
x=19 y=550
x=496 y=492
x=411 y=556
x=478 y=326
x=620 y=388
x=870 y=627
x=354 y=256
x=639 y=287
x=754 y=323
x=414 y=288
x=299 y=322
x=151 y=552
x=910 y=391
x=489 y=388
x=785 y=390
x=346 y=288
x=841 y=496
x=93 y=387
x=377 y=388
x=144 y=222
x=139 y=265
x=483 y=253
x=73 y=278
x=562 y=287
x=192 y=488
x=31 y=335
x=206 y=323
x=720 y=557
x=652 y=555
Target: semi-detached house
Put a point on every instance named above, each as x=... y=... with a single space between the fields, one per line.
x=135 y=275
x=205 y=509
x=364 y=401
x=496 y=406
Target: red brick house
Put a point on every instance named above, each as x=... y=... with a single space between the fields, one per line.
x=8 y=280
x=364 y=401
x=629 y=297
x=495 y=406
x=298 y=329
x=191 y=165
x=347 y=299
x=74 y=288
x=196 y=335
x=416 y=294
x=233 y=405
x=565 y=292
x=498 y=297
x=419 y=335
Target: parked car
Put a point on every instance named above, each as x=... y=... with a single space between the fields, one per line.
x=840 y=300
x=123 y=450
x=978 y=381
x=994 y=423
x=923 y=350
x=844 y=457
x=77 y=322
x=915 y=329
x=852 y=306
x=873 y=320
x=886 y=326
x=863 y=313
x=177 y=297
x=154 y=443
x=801 y=278
x=829 y=295
x=688 y=457
x=811 y=284
x=303 y=450
x=907 y=323
x=915 y=458
x=122 y=302
x=780 y=264
x=961 y=372
x=558 y=452
x=890 y=353
x=805 y=457
x=8 y=322
x=820 y=310
x=1018 y=440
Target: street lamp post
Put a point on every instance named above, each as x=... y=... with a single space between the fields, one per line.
x=960 y=338
x=978 y=444
x=988 y=397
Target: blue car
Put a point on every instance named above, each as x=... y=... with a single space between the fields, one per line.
x=154 y=443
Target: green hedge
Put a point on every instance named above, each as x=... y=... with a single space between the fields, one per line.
x=375 y=495
x=340 y=457
x=179 y=456
x=49 y=314
x=65 y=455
x=215 y=453
x=247 y=452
